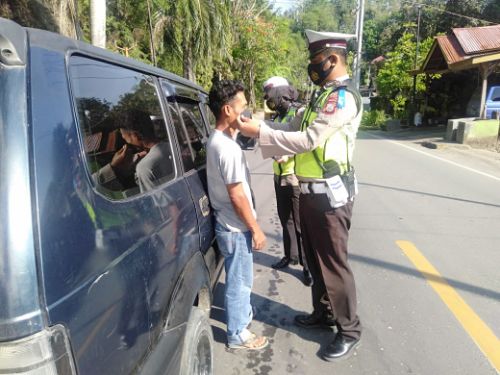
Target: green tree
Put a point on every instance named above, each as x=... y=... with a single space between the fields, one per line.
x=394 y=82
x=491 y=11
x=126 y=27
x=328 y=15
x=197 y=31
x=253 y=47
x=471 y=9
x=285 y=54
x=54 y=15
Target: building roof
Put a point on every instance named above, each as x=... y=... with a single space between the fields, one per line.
x=464 y=48
x=478 y=39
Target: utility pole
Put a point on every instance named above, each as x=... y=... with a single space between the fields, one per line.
x=151 y=38
x=359 y=34
x=419 y=8
x=98 y=22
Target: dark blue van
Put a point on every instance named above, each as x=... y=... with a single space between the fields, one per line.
x=107 y=254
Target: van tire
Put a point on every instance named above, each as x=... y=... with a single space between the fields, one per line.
x=197 y=352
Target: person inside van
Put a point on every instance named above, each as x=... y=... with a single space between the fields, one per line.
x=137 y=129
x=150 y=154
x=121 y=165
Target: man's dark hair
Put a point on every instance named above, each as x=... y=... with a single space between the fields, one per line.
x=221 y=93
x=328 y=51
x=341 y=52
x=138 y=121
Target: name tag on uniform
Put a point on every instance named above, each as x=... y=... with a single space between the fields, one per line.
x=336 y=192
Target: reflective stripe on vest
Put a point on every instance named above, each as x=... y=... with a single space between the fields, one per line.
x=333 y=153
x=288 y=167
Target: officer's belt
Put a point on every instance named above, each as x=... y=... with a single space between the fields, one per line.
x=312 y=187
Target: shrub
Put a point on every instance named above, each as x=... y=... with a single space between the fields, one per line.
x=373 y=119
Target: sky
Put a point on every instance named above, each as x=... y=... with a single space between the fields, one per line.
x=284 y=5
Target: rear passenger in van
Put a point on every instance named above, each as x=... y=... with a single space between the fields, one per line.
x=137 y=130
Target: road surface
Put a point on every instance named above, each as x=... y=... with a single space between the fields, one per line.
x=425 y=250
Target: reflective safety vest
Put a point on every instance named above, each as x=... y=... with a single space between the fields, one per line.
x=331 y=158
x=286 y=168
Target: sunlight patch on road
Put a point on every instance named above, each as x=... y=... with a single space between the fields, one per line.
x=482 y=335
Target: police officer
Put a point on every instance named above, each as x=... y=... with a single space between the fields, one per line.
x=322 y=139
x=281 y=97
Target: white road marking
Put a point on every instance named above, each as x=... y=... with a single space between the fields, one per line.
x=436 y=157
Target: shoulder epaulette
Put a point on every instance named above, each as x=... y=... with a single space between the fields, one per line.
x=349 y=86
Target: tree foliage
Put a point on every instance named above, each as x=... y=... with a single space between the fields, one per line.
x=394 y=82
x=247 y=40
x=198 y=31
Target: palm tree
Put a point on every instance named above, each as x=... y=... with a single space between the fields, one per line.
x=250 y=45
x=199 y=30
x=53 y=15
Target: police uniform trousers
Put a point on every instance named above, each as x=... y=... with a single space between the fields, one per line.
x=325 y=233
x=287 y=201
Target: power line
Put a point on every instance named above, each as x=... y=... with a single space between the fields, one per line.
x=448 y=12
x=298 y=2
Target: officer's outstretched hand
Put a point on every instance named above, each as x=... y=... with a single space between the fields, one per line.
x=258 y=239
x=248 y=127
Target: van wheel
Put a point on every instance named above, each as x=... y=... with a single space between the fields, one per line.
x=197 y=353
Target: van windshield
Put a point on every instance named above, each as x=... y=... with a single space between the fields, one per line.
x=495 y=95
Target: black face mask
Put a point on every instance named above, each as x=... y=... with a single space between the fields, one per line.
x=271 y=104
x=279 y=105
x=316 y=72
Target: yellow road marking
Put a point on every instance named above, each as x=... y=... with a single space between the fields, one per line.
x=482 y=335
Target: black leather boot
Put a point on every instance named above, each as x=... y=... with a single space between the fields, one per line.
x=315 y=320
x=308 y=280
x=284 y=262
x=341 y=347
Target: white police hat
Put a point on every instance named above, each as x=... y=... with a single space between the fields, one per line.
x=275 y=82
x=319 y=40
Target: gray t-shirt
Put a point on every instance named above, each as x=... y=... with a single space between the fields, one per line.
x=226 y=164
x=154 y=167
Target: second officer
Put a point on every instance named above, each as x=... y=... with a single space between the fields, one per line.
x=281 y=97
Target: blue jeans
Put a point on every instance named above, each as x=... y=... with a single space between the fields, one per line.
x=236 y=247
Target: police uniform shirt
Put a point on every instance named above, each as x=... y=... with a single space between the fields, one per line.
x=283 y=139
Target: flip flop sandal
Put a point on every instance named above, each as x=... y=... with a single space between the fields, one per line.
x=253 y=343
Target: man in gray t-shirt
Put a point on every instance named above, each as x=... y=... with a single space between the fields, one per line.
x=236 y=228
x=227 y=160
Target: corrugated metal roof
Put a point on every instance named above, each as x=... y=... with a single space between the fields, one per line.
x=478 y=39
x=451 y=49
x=464 y=48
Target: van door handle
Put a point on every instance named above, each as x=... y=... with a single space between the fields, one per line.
x=204 y=206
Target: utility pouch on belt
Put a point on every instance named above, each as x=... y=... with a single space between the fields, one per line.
x=350 y=183
x=336 y=192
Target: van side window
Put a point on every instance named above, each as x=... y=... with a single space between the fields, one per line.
x=191 y=132
x=196 y=134
x=124 y=133
x=210 y=116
